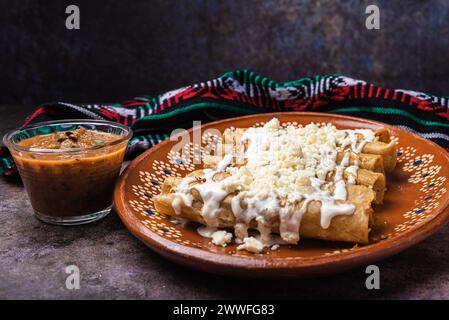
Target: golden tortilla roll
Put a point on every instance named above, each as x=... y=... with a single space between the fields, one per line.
x=382 y=135
x=375 y=181
x=370 y=172
x=372 y=162
x=382 y=146
x=348 y=228
x=386 y=150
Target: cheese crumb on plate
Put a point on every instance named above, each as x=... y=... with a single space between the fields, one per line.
x=221 y=238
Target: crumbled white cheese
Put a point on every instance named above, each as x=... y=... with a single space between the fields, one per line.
x=221 y=238
x=282 y=167
x=251 y=244
x=275 y=247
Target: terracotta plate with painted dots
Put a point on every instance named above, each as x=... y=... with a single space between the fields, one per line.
x=416 y=205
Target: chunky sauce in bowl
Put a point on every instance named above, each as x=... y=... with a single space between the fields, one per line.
x=79 y=138
x=70 y=175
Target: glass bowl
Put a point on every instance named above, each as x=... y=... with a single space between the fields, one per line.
x=69 y=186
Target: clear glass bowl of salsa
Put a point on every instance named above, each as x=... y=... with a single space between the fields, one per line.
x=69 y=167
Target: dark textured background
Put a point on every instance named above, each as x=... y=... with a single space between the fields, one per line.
x=127 y=48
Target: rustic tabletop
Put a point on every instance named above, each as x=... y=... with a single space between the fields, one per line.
x=115 y=265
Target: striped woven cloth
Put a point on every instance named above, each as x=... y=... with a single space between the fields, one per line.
x=243 y=92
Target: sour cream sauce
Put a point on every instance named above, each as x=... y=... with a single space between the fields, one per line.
x=285 y=169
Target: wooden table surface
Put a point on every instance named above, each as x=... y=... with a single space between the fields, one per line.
x=115 y=265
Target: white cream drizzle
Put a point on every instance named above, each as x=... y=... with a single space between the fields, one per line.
x=212 y=195
x=352 y=173
x=206 y=231
x=285 y=169
x=368 y=136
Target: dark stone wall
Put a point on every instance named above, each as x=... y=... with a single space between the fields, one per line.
x=127 y=48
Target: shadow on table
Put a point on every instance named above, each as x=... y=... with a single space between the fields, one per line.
x=13 y=180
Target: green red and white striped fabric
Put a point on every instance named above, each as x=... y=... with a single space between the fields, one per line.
x=243 y=92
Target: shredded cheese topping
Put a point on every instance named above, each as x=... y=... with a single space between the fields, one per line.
x=283 y=169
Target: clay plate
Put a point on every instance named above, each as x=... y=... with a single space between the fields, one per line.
x=416 y=205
